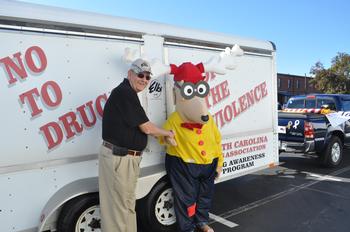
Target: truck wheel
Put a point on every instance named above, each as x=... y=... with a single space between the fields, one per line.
x=81 y=214
x=333 y=154
x=156 y=211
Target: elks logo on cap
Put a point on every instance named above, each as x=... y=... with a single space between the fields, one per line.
x=141 y=65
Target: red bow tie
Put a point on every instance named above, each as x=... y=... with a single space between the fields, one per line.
x=190 y=126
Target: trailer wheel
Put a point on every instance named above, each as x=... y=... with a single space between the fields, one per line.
x=81 y=214
x=333 y=153
x=156 y=211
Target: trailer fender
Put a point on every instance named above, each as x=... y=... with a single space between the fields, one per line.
x=67 y=192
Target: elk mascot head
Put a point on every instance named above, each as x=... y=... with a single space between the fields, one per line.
x=190 y=90
x=190 y=87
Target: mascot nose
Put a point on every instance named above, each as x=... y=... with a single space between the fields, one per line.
x=205 y=118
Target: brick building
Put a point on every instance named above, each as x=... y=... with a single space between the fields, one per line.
x=290 y=85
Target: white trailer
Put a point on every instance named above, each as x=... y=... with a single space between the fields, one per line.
x=57 y=68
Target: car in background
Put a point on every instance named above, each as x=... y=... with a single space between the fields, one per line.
x=304 y=128
x=336 y=102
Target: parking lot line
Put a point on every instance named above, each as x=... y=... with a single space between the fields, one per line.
x=268 y=199
x=222 y=220
x=328 y=193
x=327 y=177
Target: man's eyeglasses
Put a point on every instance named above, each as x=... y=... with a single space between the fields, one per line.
x=141 y=75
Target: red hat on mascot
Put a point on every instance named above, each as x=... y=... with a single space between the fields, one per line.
x=188 y=72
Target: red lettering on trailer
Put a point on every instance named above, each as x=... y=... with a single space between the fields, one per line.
x=69 y=123
x=84 y=115
x=217 y=94
x=55 y=89
x=226 y=146
x=98 y=103
x=243 y=103
x=230 y=111
x=32 y=94
x=15 y=65
x=52 y=133
x=219 y=118
x=41 y=57
x=209 y=76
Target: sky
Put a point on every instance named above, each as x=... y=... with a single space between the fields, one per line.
x=304 y=31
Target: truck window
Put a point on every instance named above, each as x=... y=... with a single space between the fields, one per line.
x=346 y=105
x=326 y=101
x=310 y=103
x=295 y=103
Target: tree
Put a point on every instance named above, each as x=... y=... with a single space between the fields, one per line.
x=335 y=79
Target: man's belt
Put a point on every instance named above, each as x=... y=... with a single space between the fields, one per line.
x=121 y=151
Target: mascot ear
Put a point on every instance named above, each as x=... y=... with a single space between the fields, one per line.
x=200 y=67
x=173 y=68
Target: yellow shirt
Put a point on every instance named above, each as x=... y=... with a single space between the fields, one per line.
x=199 y=146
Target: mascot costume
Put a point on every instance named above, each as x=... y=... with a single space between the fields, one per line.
x=193 y=164
x=194 y=159
x=197 y=160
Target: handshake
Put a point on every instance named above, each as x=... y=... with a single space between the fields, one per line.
x=170 y=138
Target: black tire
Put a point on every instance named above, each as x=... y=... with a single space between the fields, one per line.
x=73 y=215
x=156 y=211
x=333 y=154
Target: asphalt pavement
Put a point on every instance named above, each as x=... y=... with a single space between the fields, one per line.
x=297 y=196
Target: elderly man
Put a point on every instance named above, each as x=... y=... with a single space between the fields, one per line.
x=125 y=127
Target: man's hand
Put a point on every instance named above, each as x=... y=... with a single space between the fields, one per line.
x=171 y=134
x=218 y=172
x=170 y=141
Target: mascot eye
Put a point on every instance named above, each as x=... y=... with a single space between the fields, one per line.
x=202 y=89
x=187 y=90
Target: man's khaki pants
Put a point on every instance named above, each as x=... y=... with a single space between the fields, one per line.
x=117 y=182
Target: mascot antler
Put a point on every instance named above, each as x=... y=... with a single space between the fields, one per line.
x=226 y=60
x=129 y=55
x=157 y=67
x=218 y=64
